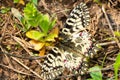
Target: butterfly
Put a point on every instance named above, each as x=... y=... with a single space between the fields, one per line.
x=74 y=48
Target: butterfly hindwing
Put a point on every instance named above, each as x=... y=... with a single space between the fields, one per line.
x=53 y=65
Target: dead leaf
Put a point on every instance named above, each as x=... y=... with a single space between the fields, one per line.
x=42 y=52
x=37 y=45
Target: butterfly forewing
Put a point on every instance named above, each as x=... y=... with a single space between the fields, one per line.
x=78 y=19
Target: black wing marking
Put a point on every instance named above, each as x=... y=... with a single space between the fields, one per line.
x=75 y=31
x=78 y=19
x=53 y=65
x=59 y=59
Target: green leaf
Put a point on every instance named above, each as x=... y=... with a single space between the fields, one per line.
x=33 y=18
x=34 y=1
x=36 y=35
x=95 y=73
x=34 y=21
x=117 y=33
x=16 y=1
x=51 y=37
x=44 y=23
x=4 y=10
x=16 y=13
x=1 y=19
x=52 y=24
x=30 y=9
x=31 y=15
x=89 y=79
x=26 y=25
x=98 y=1
x=117 y=66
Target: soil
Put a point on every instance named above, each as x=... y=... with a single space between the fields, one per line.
x=13 y=68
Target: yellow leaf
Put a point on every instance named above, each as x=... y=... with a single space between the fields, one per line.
x=55 y=31
x=42 y=52
x=22 y=2
x=52 y=35
x=34 y=34
x=36 y=45
x=49 y=44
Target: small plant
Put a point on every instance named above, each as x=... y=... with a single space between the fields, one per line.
x=98 y=2
x=4 y=10
x=95 y=73
x=19 y=2
x=117 y=34
x=34 y=19
x=37 y=26
x=117 y=66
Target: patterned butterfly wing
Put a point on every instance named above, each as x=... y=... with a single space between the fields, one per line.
x=61 y=57
x=72 y=50
x=78 y=20
x=53 y=65
x=75 y=31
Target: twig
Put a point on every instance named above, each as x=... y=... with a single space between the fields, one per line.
x=71 y=75
x=27 y=68
x=4 y=29
x=45 y=6
x=107 y=43
x=24 y=65
x=113 y=78
x=22 y=44
x=23 y=57
x=18 y=56
x=110 y=26
x=112 y=59
x=17 y=71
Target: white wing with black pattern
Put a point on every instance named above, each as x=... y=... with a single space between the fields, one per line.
x=74 y=49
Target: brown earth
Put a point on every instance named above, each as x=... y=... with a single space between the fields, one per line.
x=13 y=68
